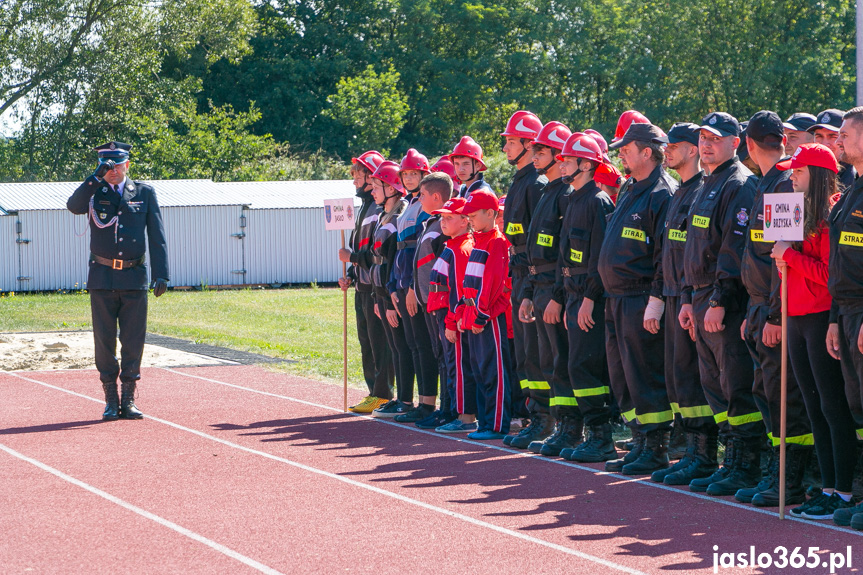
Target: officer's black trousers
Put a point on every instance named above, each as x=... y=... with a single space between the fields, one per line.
x=490 y=361
x=635 y=365
x=767 y=386
x=128 y=310
x=419 y=342
x=726 y=371
x=820 y=379
x=588 y=367
x=852 y=362
x=376 y=357
x=527 y=372
x=554 y=358
x=402 y=359
x=682 y=378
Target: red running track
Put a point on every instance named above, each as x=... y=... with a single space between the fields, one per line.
x=243 y=470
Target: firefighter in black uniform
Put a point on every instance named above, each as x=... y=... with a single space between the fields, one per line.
x=826 y=132
x=543 y=303
x=628 y=264
x=762 y=329
x=682 y=381
x=715 y=238
x=124 y=221
x=521 y=201
x=845 y=278
x=580 y=239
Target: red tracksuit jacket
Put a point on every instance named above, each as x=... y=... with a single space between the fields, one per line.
x=449 y=271
x=807 y=275
x=486 y=291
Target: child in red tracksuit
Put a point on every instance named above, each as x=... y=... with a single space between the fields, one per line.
x=483 y=316
x=448 y=274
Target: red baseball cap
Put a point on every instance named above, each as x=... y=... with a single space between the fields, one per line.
x=451 y=206
x=817 y=155
x=480 y=200
x=609 y=175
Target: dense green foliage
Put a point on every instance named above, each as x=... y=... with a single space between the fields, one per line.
x=257 y=89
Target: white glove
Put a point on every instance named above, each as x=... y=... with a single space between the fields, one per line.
x=655 y=309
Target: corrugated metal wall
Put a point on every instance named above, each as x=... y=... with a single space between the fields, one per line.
x=291 y=246
x=201 y=249
x=8 y=254
x=55 y=256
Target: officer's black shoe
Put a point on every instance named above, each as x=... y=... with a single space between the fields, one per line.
x=536 y=445
x=701 y=462
x=745 y=472
x=541 y=426
x=128 y=410
x=679 y=441
x=570 y=436
x=653 y=457
x=598 y=447
x=112 y=402
x=701 y=484
x=767 y=482
x=616 y=465
x=797 y=457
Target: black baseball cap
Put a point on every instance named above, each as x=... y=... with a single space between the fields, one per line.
x=830 y=119
x=765 y=125
x=800 y=122
x=742 y=147
x=641 y=133
x=721 y=124
x=684 y=132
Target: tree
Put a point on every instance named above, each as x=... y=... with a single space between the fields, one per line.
x=370 y=107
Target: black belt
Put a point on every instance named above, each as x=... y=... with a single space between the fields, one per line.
x=513 y=250
x=438 y=288
x=536 y=270
x=117 y=264
x=567 y=272
x=405 y=244
x=378 y=260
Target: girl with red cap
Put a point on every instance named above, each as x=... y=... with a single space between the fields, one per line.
x=819 y=375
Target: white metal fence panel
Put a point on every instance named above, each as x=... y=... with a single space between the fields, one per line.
x=8 y=255
x=54 y=250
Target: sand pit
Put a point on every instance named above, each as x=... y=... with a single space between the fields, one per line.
x=74 y=350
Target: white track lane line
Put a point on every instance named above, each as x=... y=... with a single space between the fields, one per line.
x=520 y=453
x=146 y=514
x=378 y=490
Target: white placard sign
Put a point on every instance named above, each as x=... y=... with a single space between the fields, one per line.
x=783 y=217
x=339 y=214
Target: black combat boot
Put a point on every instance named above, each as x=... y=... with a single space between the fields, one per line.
x=796 y=458
x=767 y=482
x=702 y=462
x=127 y=402
x=536 y=445
x=637 y=446
x=112 y=402
x=700 y=484
x=569 y=436
x=541 y=426
x=683 y=461
x=678 y=444
x=746 y=470
x=599 y=446
x=654 y=455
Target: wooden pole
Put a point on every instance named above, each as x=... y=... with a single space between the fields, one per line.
x=783 y=269
x=345 y=330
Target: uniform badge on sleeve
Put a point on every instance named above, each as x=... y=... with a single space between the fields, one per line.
x=742 y=217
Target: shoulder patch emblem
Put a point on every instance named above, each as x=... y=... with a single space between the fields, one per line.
x=742 y=217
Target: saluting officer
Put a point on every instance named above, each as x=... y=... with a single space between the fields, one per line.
x=120 y=210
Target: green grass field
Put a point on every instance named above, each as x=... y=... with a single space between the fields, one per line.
x=304 y=325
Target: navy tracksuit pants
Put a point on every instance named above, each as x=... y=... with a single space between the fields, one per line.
x=490 y=361
x=442 y=349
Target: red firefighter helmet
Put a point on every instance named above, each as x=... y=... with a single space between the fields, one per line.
x=468 y=148
x=581 y=145
x=603 y=145
x=553 y=135
x=413 y=160
x=370 y=160
x=628 y=118
x=388 y=172
x=523 y=124
x=445 y=165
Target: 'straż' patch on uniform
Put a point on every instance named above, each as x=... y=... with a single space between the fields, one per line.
x=851 y=239
x=545 y=240
x=700 y=221
x=576 y=255
x=633 y=234
x=676 y=235
x=514 y=229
